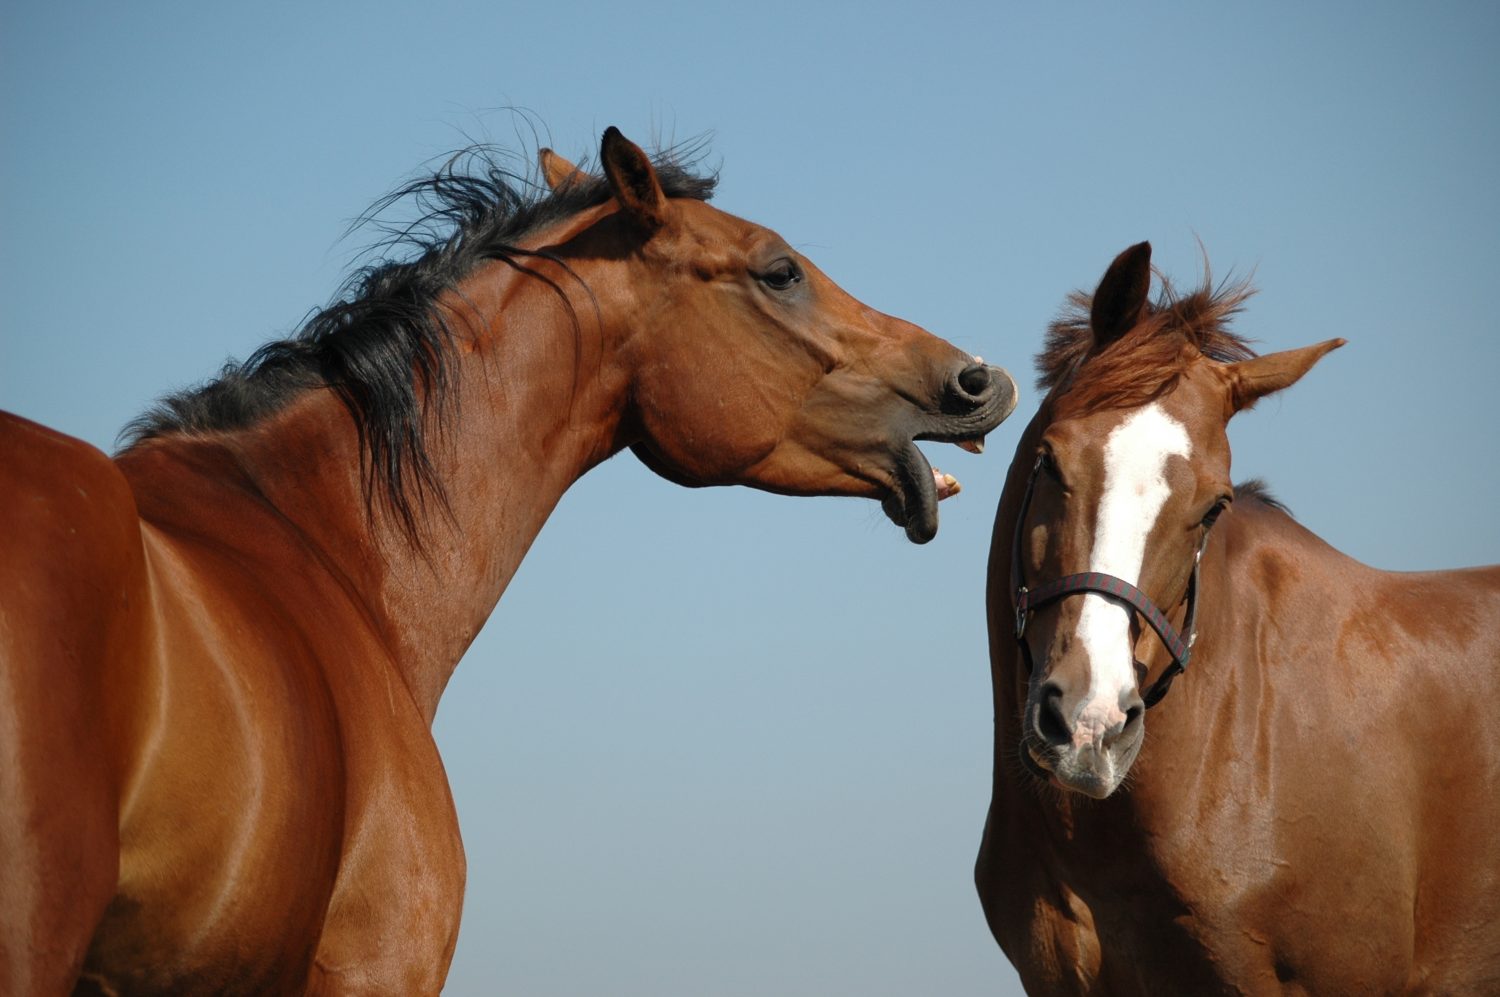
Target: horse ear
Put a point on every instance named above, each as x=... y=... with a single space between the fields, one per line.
x=1250 y=380
x=556 y=170
x=633 y=181
x=1121 y=296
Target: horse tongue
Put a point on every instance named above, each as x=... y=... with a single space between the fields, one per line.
x=947 y=484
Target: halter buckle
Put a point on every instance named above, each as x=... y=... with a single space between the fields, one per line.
x=1022 y=612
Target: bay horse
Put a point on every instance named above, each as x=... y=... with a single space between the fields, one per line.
x=1315 y=807
x=221 y=651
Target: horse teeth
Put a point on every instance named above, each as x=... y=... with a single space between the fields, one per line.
x=973 y=446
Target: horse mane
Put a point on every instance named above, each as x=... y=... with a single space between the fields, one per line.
x=382 y=345
x=1256 y=490
x=1146 y=361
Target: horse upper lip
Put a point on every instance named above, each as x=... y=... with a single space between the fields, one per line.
x=967 y=431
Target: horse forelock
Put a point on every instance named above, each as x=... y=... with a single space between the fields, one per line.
x=1143 y=364
x=382 y=344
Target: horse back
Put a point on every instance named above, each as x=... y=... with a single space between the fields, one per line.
x=72 y=591
x=72 y=588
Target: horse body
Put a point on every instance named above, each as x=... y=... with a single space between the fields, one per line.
x=1311 y=811
x=221 y=657
x=287 y=726
x=271 y=790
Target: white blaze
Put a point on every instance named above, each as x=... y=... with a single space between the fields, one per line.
x=1135 y=489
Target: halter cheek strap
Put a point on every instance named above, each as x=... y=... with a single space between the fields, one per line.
x=1029 y=599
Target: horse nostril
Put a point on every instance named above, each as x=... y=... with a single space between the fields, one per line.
x=974 y=379
x=1050 y=723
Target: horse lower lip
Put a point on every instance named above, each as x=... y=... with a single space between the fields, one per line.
x=973 y=446
x=912 y=502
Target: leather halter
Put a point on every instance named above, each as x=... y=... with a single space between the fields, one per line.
x=1118 y=589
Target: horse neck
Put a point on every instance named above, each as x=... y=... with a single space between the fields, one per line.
x=519 y=428
x=1243 y=636
x=538 y=403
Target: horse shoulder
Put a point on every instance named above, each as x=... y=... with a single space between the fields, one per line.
x=231 y=812
x=393 y=918
x=318 y=738
x=1353 y=685
x=1447 y=627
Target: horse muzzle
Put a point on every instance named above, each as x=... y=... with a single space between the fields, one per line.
x=1085 y=751
x=974 y=401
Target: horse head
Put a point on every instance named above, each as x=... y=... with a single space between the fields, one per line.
x=1128 y=463
x=749 y=366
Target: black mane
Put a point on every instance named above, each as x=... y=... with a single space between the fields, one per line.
x=381 y=345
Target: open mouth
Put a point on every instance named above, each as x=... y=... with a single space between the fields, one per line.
x=918 y=487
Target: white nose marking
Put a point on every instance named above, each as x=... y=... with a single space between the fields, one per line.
x=1135 y=489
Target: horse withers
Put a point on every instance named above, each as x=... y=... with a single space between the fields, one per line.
x=221 y=651
x=1314 y=807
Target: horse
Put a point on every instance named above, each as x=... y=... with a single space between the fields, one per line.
x=221 y=650
x=1314 y=809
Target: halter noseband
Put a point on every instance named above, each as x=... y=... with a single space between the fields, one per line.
x=1028 y=599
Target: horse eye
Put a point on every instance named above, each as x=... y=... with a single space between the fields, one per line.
x=1047 y=463
x=1213 y=513
x=781 y=275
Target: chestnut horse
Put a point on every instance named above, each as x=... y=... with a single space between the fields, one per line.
x=221 y=651
x=1315 y=808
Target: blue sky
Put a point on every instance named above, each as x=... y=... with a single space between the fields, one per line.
x=724 y=743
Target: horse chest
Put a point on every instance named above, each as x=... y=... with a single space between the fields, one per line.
x=1186 y=916
x=1141 y=936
